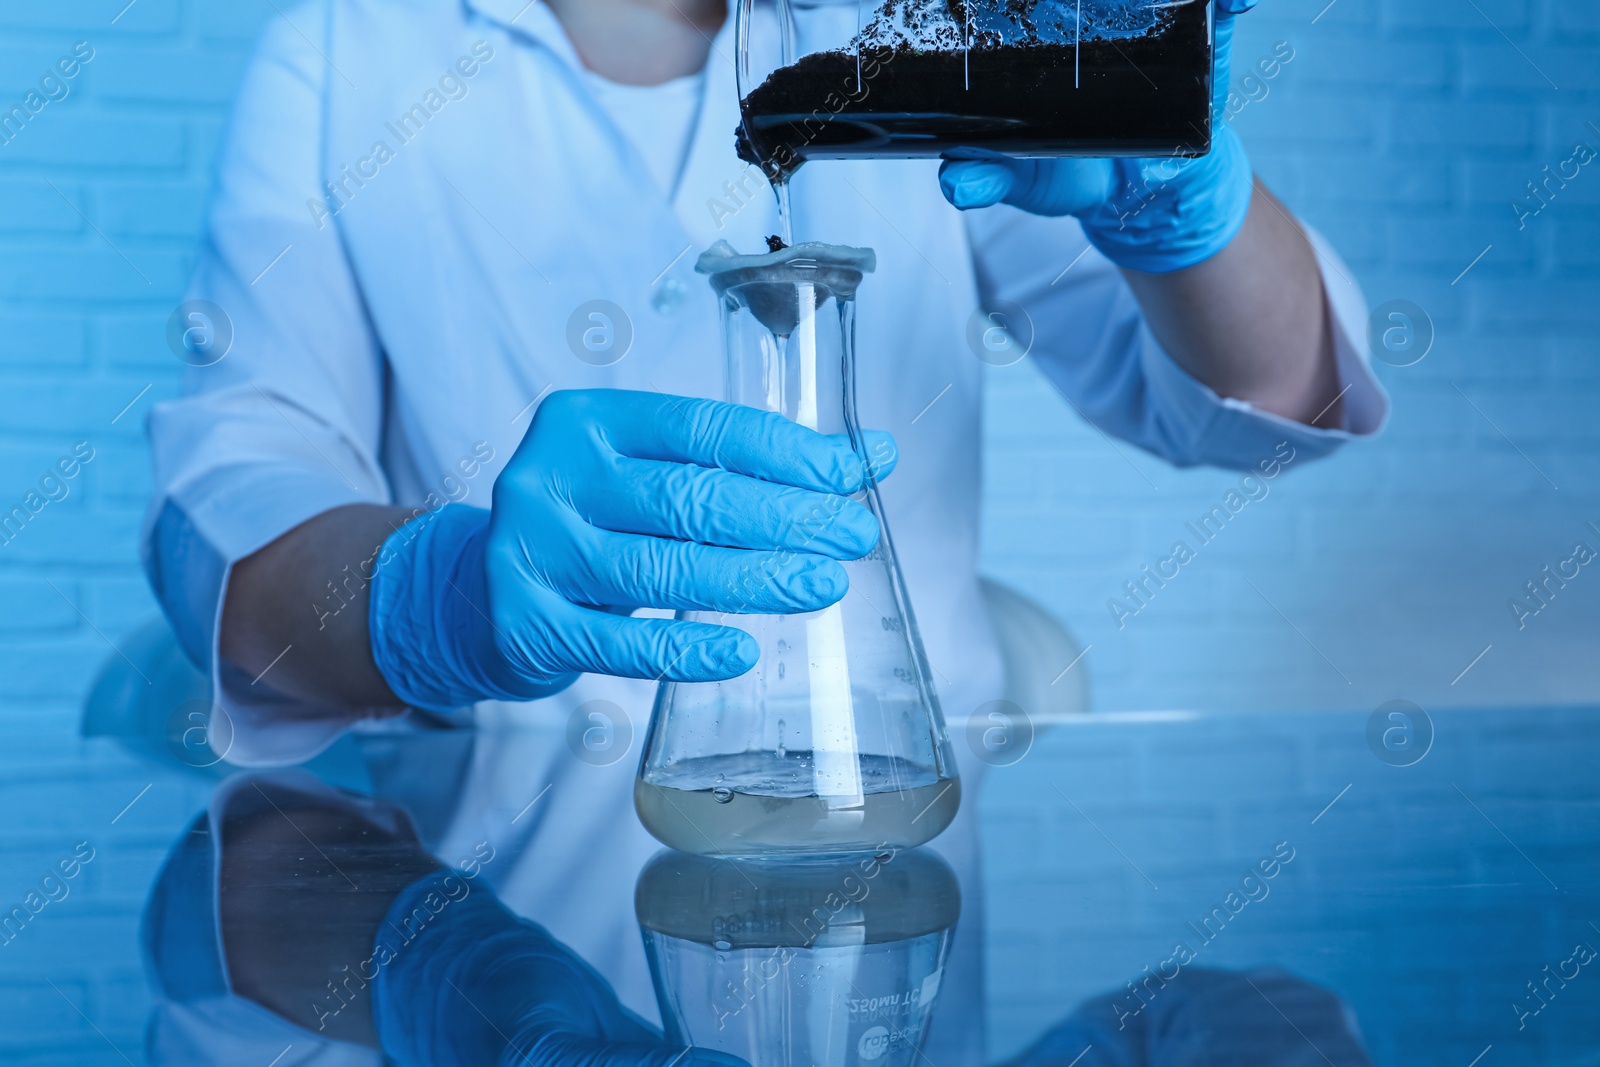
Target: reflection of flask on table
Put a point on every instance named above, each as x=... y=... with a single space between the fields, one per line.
x=834 y=741
x=799 y=961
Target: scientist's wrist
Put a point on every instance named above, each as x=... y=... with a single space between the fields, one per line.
x=429 y=613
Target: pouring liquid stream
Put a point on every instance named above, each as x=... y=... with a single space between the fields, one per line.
x=780 y=189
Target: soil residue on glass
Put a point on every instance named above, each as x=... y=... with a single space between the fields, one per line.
x=925 y=93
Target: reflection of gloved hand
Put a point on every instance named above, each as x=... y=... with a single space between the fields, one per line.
x=479 y=987
x=1205 y=1017
x=620 y=500
x=1153 y=215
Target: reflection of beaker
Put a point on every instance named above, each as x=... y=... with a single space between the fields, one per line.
x=799 y=961
x=834 y=741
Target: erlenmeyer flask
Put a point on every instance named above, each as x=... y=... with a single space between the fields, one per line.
x=834 y=741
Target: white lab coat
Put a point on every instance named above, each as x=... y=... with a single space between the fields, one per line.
x=375 y=347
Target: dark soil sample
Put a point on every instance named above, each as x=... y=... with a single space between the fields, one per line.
x=1141 y=96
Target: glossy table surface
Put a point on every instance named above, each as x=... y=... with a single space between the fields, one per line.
x=1431 y=882
x=1392 y=887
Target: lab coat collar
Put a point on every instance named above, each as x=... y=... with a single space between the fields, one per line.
x=707 y=165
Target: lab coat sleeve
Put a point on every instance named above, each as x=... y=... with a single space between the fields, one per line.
x=1091 y=340
x=287 y=423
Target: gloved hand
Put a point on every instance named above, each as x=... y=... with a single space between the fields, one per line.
x=1152 y=215
x=478 y=987
x=617 y=500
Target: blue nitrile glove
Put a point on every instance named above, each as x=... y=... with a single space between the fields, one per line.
x=617 y=500
x=465 y=983
x=1152 y=215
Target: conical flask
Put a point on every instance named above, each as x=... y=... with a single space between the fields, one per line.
x=834 y=741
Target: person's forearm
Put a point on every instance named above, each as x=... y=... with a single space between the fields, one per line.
x=1252 y=322
x=279 y=599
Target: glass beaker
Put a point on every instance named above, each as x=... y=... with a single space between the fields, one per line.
x=785 y=961
x=823 y=79
x=833 y=741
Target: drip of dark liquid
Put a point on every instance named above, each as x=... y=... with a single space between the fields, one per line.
x=1141 y=96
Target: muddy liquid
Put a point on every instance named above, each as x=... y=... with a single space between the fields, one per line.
x=1144 y=96
x=689 y=813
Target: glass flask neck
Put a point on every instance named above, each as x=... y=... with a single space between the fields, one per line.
x=805 y=372
x=789 y=328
